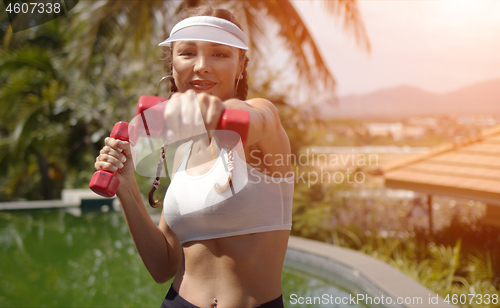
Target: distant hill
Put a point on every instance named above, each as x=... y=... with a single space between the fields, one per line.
x=404 y=101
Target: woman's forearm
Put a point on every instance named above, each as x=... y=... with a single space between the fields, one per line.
x=149 y=240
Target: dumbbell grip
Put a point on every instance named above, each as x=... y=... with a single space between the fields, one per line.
x=105 y=183
x=237 y=121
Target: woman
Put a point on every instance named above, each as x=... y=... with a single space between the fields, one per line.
x=224 y=246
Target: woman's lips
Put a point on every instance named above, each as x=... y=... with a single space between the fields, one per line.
x=202 y=85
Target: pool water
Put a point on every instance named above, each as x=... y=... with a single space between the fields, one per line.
x=54 y=259
x=300 y=289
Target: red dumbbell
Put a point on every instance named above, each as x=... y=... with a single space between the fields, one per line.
x=105 y=183
x=152 y=123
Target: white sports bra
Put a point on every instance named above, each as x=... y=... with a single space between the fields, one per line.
x=195 y=211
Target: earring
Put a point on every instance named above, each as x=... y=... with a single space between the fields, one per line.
x=163 y=78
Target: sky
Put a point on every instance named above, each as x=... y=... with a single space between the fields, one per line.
x=436 y=45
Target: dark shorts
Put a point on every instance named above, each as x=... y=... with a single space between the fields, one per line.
x=174 y=300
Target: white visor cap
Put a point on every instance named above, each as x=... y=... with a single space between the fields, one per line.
x=209 y=29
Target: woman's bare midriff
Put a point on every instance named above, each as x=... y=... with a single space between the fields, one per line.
x=239 y=271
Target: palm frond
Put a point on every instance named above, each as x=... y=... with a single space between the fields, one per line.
x=252 y=25
x=101 y=27
x=480 y=266
x=299 y=41
x=28 y=56
x=353 y=23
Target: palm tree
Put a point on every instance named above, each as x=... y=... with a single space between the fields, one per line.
x=112 y=25
x=28 y=101
x=46 y=121
x=65 y=81
x=296 y=35
x=53 y=118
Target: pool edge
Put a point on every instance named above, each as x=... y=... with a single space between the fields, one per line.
x=380 y=274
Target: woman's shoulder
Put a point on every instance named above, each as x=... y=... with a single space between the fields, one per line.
x=275 y=146
x=263 y=103
x=260 y=103
x=279 y=135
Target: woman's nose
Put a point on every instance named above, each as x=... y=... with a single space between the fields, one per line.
x=202 y=65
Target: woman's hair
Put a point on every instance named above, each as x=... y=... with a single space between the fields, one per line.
x=241 y=90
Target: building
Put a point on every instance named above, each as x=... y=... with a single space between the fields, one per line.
x=469 y=169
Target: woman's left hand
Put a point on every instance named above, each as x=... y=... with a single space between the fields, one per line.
x=190 y=114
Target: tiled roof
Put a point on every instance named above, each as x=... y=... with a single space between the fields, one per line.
x=469 y=169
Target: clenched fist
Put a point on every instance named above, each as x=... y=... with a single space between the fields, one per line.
x=190 y=114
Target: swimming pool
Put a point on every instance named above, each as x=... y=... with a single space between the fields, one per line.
x=55 y=259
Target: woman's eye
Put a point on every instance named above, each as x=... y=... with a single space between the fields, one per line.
x=221 y=55
x=186 y=53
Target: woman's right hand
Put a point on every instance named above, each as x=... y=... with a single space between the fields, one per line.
x=116 y=156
